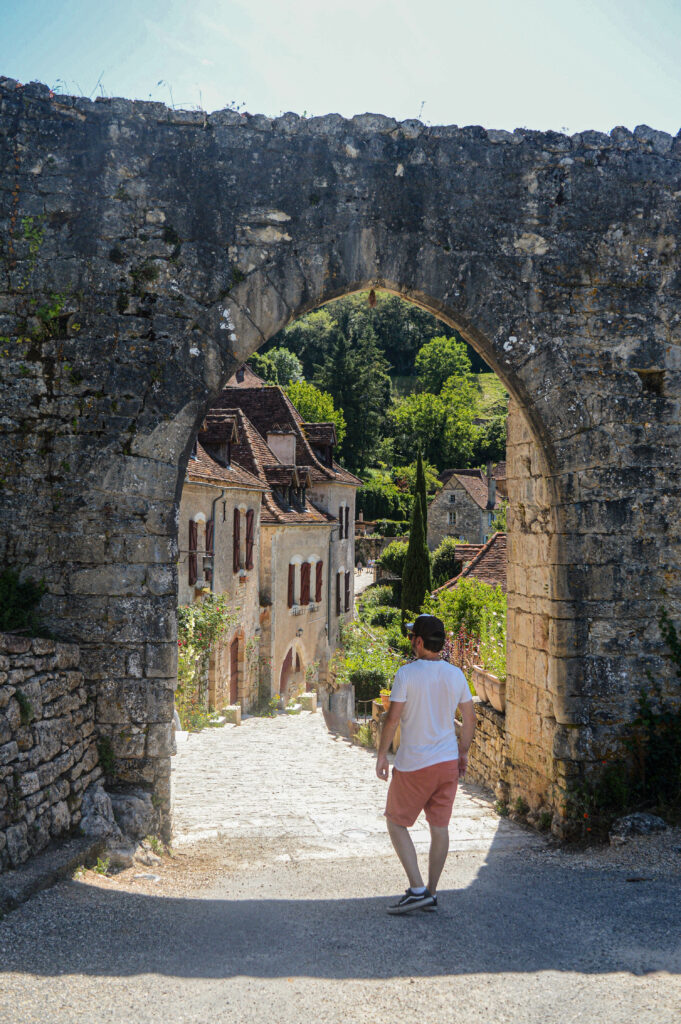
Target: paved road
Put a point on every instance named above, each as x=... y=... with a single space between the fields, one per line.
x=273 y=910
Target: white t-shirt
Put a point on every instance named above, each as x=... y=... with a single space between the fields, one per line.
x=432 y=691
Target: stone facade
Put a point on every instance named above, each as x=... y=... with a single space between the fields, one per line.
x=148 y=252
x=48 y=751
x=209 y=499
x=463 y=508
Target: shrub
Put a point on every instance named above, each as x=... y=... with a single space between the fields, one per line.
x=391 y=527
x=392 y=557
x=470 y=604
x=384 y=616
x=374 y=596
x=365 y=661
x=445 y=565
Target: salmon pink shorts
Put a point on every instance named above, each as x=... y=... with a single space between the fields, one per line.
x=430 y=789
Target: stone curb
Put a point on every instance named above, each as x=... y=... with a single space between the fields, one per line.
x=44 y=870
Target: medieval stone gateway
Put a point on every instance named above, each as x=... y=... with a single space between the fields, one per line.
x=147 y=252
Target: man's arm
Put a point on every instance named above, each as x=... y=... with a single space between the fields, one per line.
x=466 y=738
x=389 y=729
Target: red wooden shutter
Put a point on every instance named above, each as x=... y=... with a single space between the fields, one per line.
x=291 y=585
x=338 y=593
x=318 y=583
x=192 y=560
x=210 y=534
x=305 y=583
x=340 y=520
x=234 y=671
x=236 y=563
x=347 y=591
x=347 y=520
x=250 y=537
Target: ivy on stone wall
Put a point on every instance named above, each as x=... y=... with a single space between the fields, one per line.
x=200 y=629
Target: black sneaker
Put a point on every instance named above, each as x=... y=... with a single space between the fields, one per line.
x=430 y=907
x=411 y=901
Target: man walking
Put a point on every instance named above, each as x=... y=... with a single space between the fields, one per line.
x=430 y=761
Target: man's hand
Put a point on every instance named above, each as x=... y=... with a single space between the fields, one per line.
x=382 y=767
x=463 y=762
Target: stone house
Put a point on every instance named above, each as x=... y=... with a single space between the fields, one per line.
x=466 y=504
x=300 y=573
x=219 y=542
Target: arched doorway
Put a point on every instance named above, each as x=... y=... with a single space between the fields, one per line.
x=180 y=266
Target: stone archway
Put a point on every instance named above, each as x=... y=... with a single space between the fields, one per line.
x=151 y=251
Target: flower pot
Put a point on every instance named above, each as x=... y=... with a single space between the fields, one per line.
x=478 y=679
x=496 y=692
x=385 y=701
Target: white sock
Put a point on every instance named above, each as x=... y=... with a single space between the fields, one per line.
x=418 y=890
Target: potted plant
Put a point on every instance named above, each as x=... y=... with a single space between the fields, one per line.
x=384 y=694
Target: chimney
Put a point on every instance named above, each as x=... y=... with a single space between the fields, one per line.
x=361 y=517
x=491 y=488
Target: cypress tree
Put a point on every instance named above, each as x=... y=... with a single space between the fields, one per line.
x=416 y=580
x=420 y=491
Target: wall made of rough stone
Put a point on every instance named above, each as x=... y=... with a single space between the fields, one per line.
x=48 y=750
x=169 y=245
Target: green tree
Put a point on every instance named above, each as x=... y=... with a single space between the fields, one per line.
x=264 y=367
x=499 y=521
x=310 y=337
x=317 y=406
x=442 y=425
x=355 y=373
x=489 y=444
x=420 y=491
x=416 y=579
x=380 y=498
x=438 y=360
x=289 y=366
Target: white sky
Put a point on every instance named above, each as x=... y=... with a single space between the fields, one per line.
x=500 y=63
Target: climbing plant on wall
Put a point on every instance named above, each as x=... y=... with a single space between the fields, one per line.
x=200 y=629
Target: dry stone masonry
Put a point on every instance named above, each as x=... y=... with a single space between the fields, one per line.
x=48 y=752
x=147 y=252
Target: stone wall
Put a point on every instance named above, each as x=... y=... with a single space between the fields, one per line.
x=487 y=762
x=48 y=751
x=148 y=252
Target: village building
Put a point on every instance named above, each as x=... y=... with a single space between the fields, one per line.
x=466 y=505
x=292 y=556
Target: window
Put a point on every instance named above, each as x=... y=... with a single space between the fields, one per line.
x=451 y=518
x=490 y=518
x=192 y=560
x=339 y=577
x=305 y=583
x=341 y=520
x=318 y=582
x=250 y=537
x=347 y=520
x=236 y=541
x=210 y=548
x=291 y=585
x=452 y=499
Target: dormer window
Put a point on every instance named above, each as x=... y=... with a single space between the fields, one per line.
x=240 y=374
x=195 y=451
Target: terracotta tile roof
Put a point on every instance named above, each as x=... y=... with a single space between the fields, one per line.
x=478 y=490
x=270 y=410
x=218 y=427
x=258 y=460
x=320 y=433
x=245 y=377
x=207 y=470
x=466 y=552
x=488 y=566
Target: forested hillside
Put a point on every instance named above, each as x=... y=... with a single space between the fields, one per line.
x=394 y=379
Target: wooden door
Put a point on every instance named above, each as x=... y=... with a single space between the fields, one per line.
x=234 y=671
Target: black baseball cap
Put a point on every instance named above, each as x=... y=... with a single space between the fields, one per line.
x=429 y=627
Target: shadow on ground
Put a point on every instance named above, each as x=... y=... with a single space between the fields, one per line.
x=516 y=916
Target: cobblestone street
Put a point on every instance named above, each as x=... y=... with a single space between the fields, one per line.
x=288 y=779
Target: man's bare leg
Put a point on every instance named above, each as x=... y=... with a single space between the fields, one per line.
x=439 y=848
x=404 y=848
